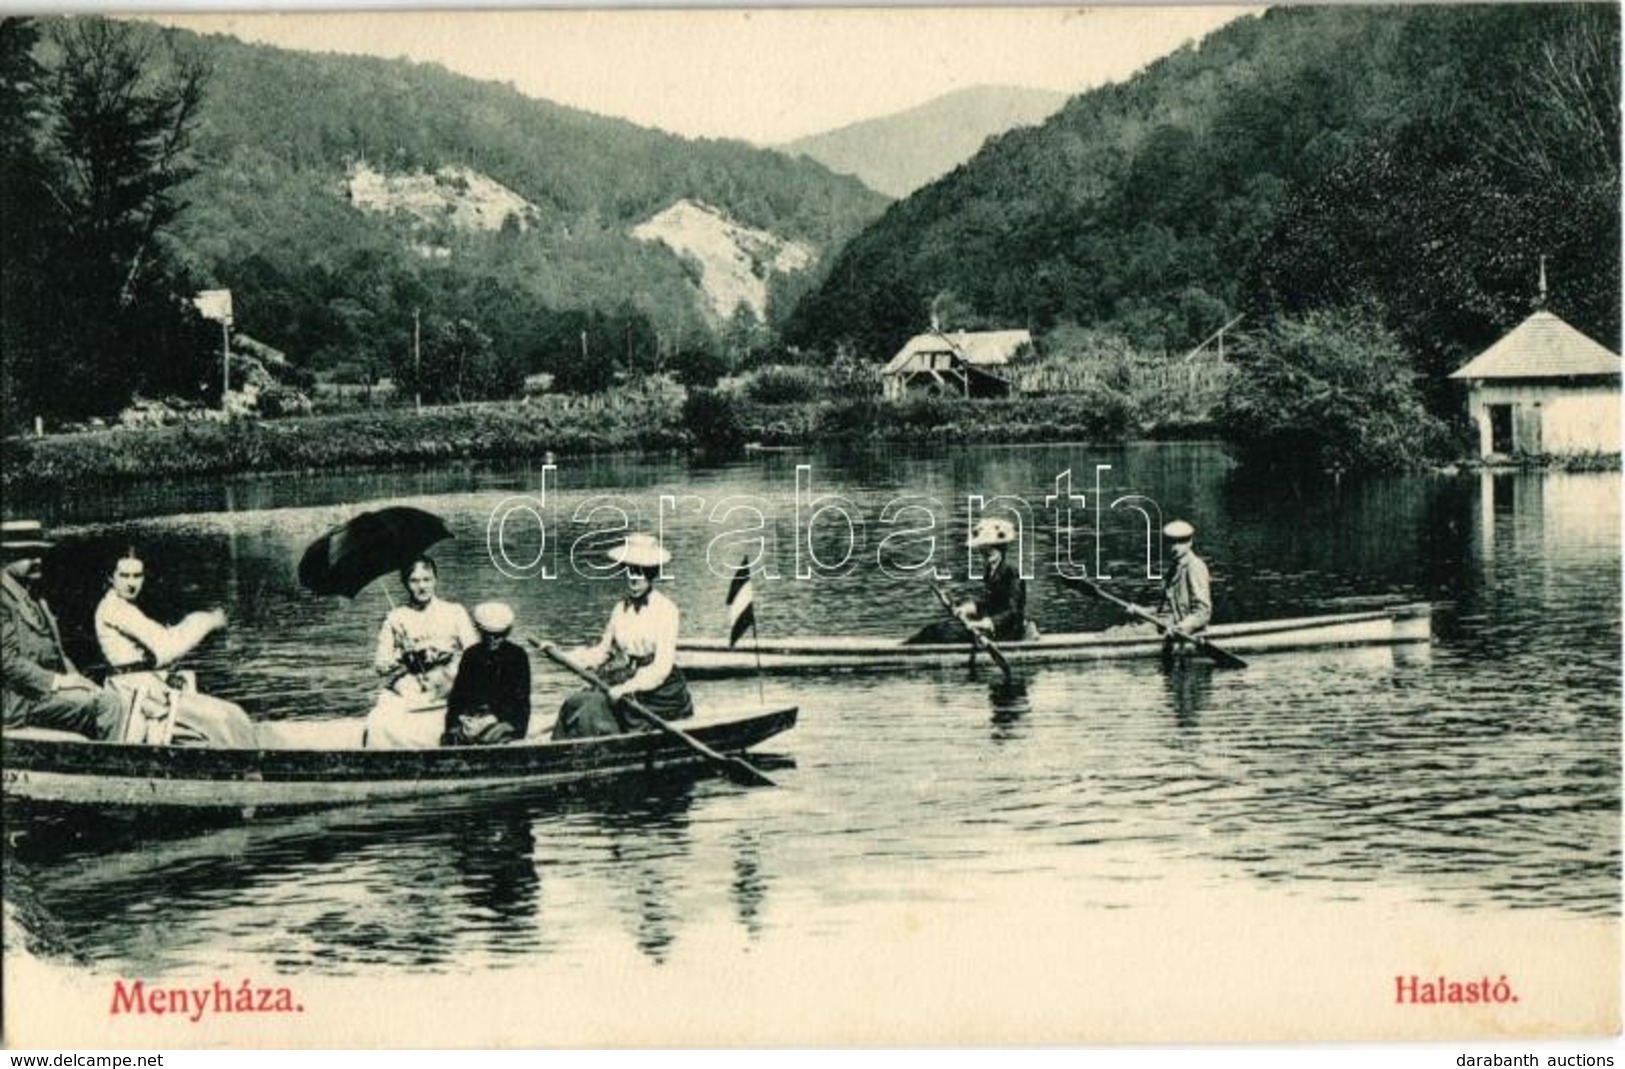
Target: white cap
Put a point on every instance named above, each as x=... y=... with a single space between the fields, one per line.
x=493 y=617
x=1179 y=531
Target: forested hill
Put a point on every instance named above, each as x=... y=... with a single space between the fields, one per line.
x=335 y=194
x=898 y=154
x=1415 y=159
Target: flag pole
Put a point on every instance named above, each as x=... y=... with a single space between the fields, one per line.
x=742 y=600
x=755 y=644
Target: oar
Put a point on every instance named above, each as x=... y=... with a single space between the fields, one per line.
x=979 y=641
x=1218 y=656
x=735 y=768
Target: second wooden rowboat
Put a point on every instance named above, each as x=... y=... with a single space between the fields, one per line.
x=713 y=657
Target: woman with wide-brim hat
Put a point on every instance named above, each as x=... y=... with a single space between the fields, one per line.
x=1001 y=612
x=637 y=655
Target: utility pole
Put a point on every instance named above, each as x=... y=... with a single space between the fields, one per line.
x=225 y=363
x=417 y=361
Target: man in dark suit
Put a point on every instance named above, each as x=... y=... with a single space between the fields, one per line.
x=42 y=688
x=490 y=698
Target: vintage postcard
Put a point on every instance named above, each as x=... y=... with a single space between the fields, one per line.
x=811 y=528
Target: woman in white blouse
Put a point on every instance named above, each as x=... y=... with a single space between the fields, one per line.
x=418 y=650
x=140 y=651
x=637 y=655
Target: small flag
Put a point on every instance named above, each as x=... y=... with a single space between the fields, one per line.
x=214 y=304
x=741 y=607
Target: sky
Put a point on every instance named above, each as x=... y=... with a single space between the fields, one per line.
x=765 y=75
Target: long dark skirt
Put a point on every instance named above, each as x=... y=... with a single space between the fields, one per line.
x=587 y=713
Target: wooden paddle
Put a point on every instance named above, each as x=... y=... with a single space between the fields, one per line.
x=735 y=768
x=979 y=641
x=1218 y=656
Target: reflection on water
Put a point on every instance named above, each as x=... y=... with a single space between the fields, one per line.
x=1483 y=774
x=1010 y=703
x=418 y=885
x=1190 y=685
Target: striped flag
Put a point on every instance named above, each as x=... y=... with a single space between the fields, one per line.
x=741 y=607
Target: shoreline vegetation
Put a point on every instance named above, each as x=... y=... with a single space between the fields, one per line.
x=647 y=419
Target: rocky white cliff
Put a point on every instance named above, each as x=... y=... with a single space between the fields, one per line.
x=459 y=197
x=735 y=260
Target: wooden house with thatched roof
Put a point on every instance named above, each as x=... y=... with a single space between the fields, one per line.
x=961 y=364
x=1544 y=388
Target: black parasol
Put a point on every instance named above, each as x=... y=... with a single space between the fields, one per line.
x=353 y=554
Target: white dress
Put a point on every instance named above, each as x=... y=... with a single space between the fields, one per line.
x=128 y=637
x=410 y=712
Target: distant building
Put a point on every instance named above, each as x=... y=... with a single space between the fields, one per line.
x=1544 y=388
x=961 y=364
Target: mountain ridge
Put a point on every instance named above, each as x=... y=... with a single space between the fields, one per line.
x=898 y=153
x=1412 y=159
x=273 y=212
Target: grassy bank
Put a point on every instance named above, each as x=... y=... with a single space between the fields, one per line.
x=561 y=425
x=625 y=420
x=620 y=421
x=1072 y=417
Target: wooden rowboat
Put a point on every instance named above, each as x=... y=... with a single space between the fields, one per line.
x=310 y=764
x=712 y=657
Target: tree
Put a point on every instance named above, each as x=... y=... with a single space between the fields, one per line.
x=1332 y=392
x=103 y=132
x=122 y=131
x=23 y=238
x=459 y=363
x=698 y=366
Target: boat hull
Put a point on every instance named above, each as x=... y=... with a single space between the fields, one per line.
x=709 y=658
x=45 y=767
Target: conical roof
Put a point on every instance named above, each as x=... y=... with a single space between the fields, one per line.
x=1541 y=347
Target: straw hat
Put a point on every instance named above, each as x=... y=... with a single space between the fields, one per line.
x=493 y=617
x=992 y=533
x=1179 y=531
x=21 y=539
x=640 y=551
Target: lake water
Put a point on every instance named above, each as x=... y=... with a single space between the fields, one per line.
x=1481 y=776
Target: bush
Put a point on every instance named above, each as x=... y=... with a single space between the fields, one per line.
x=1332 y=392
x=932 y=410
x=698 y=367
x=851 y=417
x=780 y=384
x=714 y=419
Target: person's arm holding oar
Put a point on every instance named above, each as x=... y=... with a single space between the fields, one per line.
x=1218 y=655
x=978 y=635
x=735 y=768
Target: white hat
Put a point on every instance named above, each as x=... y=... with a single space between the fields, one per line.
x=1179 y=531
x=992 y=533
x=640 y=551
x=493 y=617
